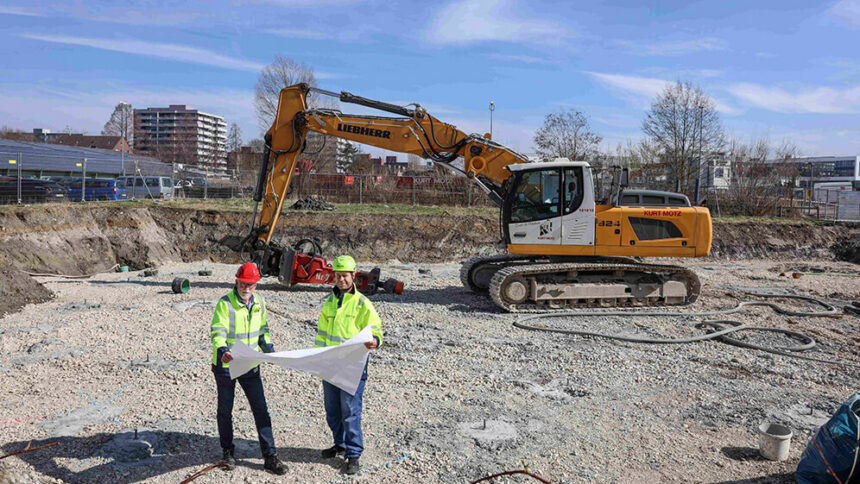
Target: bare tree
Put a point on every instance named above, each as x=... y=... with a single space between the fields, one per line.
x=759 y=183
x=121 y=123
x=257 y=145
x=234 y=138
x=346 y=157
x=281 y=73
x=566 y=134
x=684 y=124
x=15 y=135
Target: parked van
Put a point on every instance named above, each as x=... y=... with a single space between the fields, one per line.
x=143 y=187
x=98 y=189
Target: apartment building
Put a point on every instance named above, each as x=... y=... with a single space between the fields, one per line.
x=181 y=134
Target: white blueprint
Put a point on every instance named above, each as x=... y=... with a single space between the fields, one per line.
x=341 y=365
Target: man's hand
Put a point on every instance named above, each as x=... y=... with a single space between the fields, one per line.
x=371 y=345
x=227 y=357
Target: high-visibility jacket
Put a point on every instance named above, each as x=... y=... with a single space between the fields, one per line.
x=344 y=316
x=233 y=322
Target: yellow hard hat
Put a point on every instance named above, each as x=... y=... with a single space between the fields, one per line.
x=343 y=263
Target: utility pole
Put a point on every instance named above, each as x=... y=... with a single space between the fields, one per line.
x=124 y=137
x=492 y=108
x=699 y=162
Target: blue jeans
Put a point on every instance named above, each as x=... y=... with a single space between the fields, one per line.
x=252 y=385
x=343 y=415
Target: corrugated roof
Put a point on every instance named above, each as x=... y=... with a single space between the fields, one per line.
x=42 y=156
x=87 y=141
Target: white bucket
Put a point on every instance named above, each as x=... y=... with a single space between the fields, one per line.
x=774 y=441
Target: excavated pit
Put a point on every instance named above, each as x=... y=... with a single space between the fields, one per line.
x=76 y=240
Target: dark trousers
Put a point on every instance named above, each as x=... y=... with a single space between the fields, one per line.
x=252 y=385
x=343 y=415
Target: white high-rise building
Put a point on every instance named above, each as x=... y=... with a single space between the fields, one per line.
x=181 y=134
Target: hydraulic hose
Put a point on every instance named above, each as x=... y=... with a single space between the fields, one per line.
x=720 y=329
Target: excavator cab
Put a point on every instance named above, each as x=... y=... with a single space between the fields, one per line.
x=549 y=204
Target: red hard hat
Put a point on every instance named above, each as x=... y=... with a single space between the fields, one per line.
x=248 y=273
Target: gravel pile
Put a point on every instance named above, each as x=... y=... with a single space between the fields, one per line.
x=312 y=203
x=116 y=369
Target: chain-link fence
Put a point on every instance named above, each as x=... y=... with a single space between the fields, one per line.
x=389 y=189
x=45 y=177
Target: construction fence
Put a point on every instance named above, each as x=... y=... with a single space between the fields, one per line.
x=17 y=186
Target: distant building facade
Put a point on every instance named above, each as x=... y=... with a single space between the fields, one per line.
x=113 y=143
x=327 y=153
x=181 y=134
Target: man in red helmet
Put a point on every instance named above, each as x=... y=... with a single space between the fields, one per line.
x=241 y=316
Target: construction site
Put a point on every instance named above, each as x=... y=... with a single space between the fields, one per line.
x=111 y=371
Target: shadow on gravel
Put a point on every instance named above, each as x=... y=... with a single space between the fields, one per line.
x=456 y=298
x=175 y=451
x=782 y=478
x=742 y=454
x=269 y=286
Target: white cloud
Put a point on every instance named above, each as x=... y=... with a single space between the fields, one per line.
x=174 y=52
x=26 y=12
x=522 y=59
x=817 y=100
x=673 y=48
x=709 y=73
x=298 y=34
x=641 y=91
x=87 y=106
x=847 y=11
x=296 y=3
x=468 y=21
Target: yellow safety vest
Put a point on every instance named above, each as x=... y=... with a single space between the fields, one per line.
x=232 y=322
x=344 y=316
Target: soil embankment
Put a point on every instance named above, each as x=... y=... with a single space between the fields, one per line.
x=77 y=240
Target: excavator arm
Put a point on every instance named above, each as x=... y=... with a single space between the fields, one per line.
x=413 y=131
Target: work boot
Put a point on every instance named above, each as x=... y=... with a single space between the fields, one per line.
x=273 y=464
x=352 y=466
x=229 y=460
x=332 y=451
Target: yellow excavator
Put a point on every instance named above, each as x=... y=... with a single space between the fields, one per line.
x=566 y=249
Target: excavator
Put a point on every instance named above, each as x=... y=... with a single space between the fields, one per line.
x=565 y=247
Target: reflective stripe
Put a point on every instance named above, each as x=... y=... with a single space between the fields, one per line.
x=325 y=335
x=231 y=332
x=362 y=301
x=254 y=334
x=220 y=333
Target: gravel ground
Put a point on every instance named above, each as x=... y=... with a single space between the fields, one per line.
x=454 y=394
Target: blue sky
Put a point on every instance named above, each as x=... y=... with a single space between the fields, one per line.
x=784 y=69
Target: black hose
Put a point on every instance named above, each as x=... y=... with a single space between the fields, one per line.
x=719 y=332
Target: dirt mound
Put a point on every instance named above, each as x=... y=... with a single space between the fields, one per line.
x=81 y=240
x=17 y=289
x=312 y=203
x=773 y=239
x=848 y=249
x=377 y=237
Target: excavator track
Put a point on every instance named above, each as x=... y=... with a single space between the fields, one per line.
x=572 y=285
x=476 y=273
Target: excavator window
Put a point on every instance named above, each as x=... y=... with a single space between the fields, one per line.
x=573 y=190
x=537 y=196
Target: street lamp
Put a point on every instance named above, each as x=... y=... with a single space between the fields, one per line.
x=492 y=108
x=124 y=128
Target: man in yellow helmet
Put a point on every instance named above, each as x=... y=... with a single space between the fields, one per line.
x=344 y=314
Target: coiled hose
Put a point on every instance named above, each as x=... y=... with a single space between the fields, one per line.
x=719 y=329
